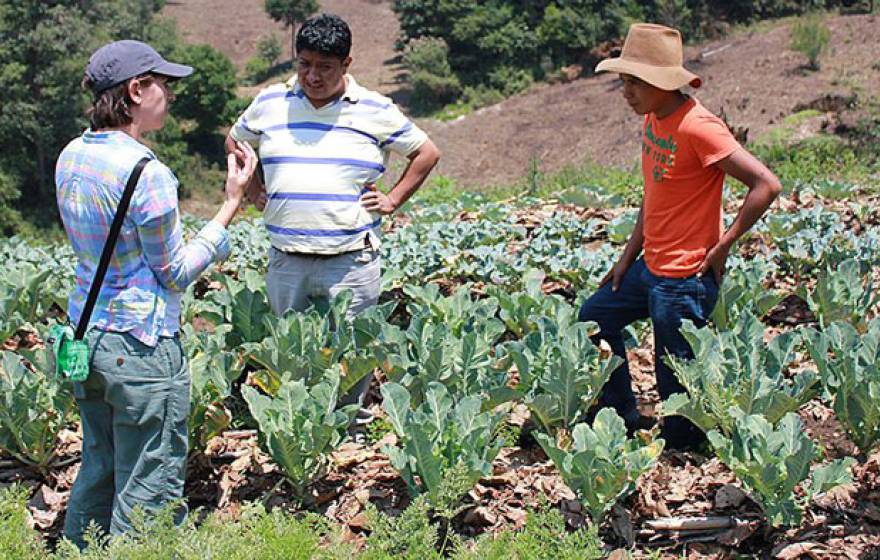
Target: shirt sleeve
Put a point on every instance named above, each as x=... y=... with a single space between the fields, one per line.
x=399 y=134
x=176 y=264
x=711 y=139
x=247 y=126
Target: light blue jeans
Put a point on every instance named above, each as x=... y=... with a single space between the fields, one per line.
x=295 y=281
x=134 y=408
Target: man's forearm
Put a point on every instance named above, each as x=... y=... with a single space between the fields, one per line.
x=636 y=240
x=229 y=144
x=418 y=169
x=756 y=203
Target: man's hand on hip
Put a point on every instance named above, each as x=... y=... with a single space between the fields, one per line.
x=376 y=201
x=715 y=262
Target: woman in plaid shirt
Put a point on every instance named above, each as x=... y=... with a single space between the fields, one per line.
x=135 y=402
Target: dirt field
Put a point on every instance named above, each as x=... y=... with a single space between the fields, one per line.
x=752 y=75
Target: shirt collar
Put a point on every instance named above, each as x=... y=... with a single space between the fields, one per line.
x=353 y=92
x=115 y=137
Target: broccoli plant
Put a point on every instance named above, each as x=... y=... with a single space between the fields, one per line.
x=804 y=239
x=430 y=351
x=736 y=369
x=300 y=426
x=772 y=462
x=23 y=297
x=440 y=436
x=842 y=293
x=459 y=312
x=213 y=369
x=302 y=346
x=561 y=372
x=240 y=303
x=743 y=289
x=521 y=311
x=36 y=405
x=848 y=365
x=602 y=465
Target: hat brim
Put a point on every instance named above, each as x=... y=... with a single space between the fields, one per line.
x=667 y=78
x=172 y=70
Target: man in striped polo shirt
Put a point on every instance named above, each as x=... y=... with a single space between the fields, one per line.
x=324 y=141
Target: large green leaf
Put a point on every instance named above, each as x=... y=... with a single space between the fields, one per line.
x=35 y=406
x=602 y=465
x=773 y=462
x=736 y=369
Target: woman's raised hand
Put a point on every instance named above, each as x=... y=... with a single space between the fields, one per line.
x=240 y=165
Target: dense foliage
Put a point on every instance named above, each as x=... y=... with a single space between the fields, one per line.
x=44 y=48
x=469 y=333
x=502 y=45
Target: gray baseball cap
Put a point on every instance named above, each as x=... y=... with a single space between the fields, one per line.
x=118 y=61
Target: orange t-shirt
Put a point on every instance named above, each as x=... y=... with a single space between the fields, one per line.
x=682 y=204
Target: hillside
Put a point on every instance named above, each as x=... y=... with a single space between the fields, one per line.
x=752 y=75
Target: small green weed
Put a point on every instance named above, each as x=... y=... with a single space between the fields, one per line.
x=257 y=535
x=17 y=540
x=810 y=37
x=377 y=429
x=544 y=536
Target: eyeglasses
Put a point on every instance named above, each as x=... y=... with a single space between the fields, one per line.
x=163 y=82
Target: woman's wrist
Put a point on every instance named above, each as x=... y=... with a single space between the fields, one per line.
x=227 y=211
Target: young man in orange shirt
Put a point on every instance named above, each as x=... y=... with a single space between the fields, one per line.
x=674 y=260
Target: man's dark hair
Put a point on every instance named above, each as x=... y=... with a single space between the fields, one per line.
x=325 y=34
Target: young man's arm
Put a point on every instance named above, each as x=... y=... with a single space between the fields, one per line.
x=630 y=254
x=421 y=161
x=763 y=187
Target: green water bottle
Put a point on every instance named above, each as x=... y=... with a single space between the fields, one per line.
x=71 y=355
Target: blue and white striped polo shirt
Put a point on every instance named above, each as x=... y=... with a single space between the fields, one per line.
x=318 y=161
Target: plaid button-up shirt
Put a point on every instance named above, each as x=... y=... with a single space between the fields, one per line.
x=152 y=266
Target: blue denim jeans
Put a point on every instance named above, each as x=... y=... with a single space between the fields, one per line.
x=666 y=301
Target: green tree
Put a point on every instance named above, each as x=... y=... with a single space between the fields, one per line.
x=44 y=47
x=44 y=50
x=432 y=79
x=205 y=96
x=290 y=13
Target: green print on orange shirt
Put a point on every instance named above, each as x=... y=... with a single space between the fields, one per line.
x=661 y=151
x=682 y=204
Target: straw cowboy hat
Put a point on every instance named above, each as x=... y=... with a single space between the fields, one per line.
x=653 y=53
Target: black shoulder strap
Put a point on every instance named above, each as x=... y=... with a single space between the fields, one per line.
x=109 y=247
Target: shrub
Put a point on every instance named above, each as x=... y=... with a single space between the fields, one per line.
x=810 y=37
x=432 y=79
x=256 y=69
x=269 y=48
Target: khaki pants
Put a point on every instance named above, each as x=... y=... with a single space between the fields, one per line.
x=295 y=281
x=134 y=408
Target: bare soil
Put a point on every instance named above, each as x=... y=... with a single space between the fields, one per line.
x=235 y=27
x=752 y=75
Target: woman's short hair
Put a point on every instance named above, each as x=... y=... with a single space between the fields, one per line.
x=110 y=108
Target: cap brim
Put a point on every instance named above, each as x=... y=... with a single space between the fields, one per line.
x=667 y=78
x=173 y=70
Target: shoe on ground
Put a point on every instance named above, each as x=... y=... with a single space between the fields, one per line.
x=363 y=417
x=638 y=422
